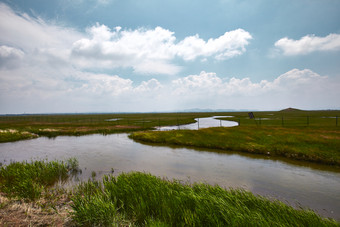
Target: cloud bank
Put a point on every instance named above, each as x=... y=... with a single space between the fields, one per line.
x=146 y=51
x=46 y=67
x=83 y=92
x=309 y=44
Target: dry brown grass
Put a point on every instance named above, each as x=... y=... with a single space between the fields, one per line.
x=19 y=213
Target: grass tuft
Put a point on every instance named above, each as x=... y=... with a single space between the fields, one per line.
x=143 y=199
x=28 y=180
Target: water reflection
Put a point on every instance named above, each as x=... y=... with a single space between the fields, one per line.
x=205 y=122
x=316 y=189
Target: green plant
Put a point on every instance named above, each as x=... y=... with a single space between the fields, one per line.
x=144 y=199
x=28 y=180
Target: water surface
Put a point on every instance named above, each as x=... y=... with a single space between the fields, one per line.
x=205 y=122
x=311 y=185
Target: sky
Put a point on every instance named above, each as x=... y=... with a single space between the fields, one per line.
x=66 y=56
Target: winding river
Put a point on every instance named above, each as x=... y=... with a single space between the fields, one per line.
x=296 y=183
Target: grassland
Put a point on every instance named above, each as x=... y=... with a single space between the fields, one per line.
x=134 y=199
x=301 y=135
x=19 y=127
x=317 y=145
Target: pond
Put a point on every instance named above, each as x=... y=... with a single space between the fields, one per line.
x=311 y=185
x=205 y=122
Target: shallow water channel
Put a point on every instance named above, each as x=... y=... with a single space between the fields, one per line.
x=299 y=184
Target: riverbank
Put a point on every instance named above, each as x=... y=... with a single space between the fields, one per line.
x=314 y=144
x=136 y=199
x=22 y=127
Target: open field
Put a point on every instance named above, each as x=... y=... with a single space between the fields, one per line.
x=18 y=127
x=30 y=126
x=301 y=135
x=137 y=199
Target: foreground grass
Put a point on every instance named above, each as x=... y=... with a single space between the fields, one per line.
x=143 y=199
x=316 y=144
x=134 y=199
x=29 y=181
x=29 y=195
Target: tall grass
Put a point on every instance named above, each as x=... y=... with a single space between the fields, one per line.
x=29 y=180
x=143 y=199
x=316 y=145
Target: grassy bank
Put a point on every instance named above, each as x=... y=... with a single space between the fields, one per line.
x=133 y=199
x=15 y=135
x=143 y=199
x=316 y=144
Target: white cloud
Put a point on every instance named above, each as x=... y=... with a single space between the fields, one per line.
x=150 y=85
x=22 y=31
x=43 y=68
x=10 y=57
x=229 y=45
x=75 y=91
x=152 y=50
x=300 y=88
x=146 y=51
x=308 y=44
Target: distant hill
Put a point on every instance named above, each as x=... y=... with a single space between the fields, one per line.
x=290 y=110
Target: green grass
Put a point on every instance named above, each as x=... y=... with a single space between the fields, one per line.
x=295 y=118
x=31 y=126
x=319 y=145
x=14 y=135
x=145 y=200
x=83 y=124
x=140 y=199
x=29 y=180
x=300 y=135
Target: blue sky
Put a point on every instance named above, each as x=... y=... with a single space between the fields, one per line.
x=147 y=55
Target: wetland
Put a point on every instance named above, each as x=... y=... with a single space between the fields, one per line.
x=297 y=183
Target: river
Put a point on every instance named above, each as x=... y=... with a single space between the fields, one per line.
x=296 y=183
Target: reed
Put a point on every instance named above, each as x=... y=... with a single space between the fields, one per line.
x=29 y=180
x=142 y=199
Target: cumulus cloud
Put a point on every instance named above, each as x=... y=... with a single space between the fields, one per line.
x=44 y=68
x=303 y=88
x=151 y=50
x=308 y=44
x=226 y=46
x=146 y=51
x=76 y=91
